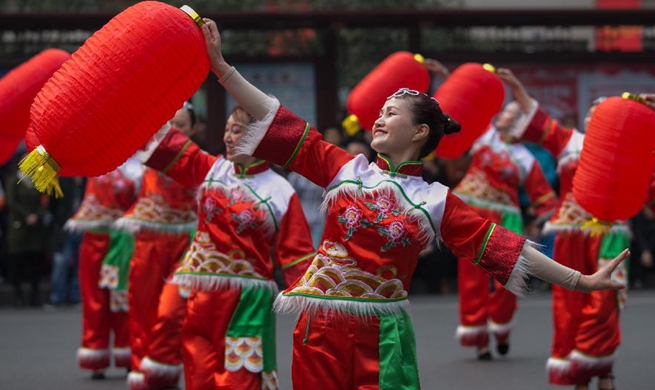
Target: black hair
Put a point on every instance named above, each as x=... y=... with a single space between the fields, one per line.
x=426 y=110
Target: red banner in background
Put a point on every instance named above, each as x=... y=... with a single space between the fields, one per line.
x=619 y=38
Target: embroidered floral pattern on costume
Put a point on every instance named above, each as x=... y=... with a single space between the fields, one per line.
x=395 y=233
x=237 y=194
x=353 y=218
x=210 y=207
x=571 y=213
x=246 y=220
x=118 y=301
x=244 y=352
x=383 y=205
x=203 y=258
x=336 y=274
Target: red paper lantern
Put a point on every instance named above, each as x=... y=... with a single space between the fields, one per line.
x=17 y=91
x=118 y=89
x=472 y=95
x=617 y=159
x=401 y=69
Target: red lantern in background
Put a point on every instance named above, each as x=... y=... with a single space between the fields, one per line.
x=472 y=95
x=17 y=91
x=401 y=69
x=118 y=89
x=617 y=159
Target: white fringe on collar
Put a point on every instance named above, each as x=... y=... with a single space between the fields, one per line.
x=352 y=191
x=289 y=304
x=134 y=226
x=219 y=282
x=257 y=130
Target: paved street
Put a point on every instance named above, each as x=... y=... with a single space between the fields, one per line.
x=37 y=349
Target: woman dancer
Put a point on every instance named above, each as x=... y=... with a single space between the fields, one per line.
x=106 y=198
x=354 y=330
x=162 y=220
x=244 y=211
x=587 y=329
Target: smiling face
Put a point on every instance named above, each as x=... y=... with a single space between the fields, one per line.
x=507 y=117
x=235 y=129
x=393 y=131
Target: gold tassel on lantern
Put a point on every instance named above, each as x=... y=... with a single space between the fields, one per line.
x=351 y=124
x=597 y=226
x=42 y=169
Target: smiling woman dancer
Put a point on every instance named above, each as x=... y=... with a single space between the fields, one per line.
x=354 y=330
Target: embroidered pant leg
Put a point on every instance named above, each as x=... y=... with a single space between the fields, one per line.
x=203 y=343
x=598 y=334
x=473 y=284
x=502 y=306
x=94 y=354
x=566 y=308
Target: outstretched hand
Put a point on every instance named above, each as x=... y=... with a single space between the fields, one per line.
x=214 y=47
x=601 y=280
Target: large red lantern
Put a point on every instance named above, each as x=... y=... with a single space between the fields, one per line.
x=17 y=91
x=472 y=95
x=617 y=159
x=117 y=90
x=401 y=69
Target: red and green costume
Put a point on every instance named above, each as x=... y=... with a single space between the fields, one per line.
x=162 y=220
x=587 y=330
x=244 y=213
x=106 y=198
x=354 y=330
x=490 y=186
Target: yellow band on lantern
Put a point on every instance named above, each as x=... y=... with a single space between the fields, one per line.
x=351 y=124
x=194 y=15
x=41 y=169
x=419 y=58
x=489 y=68
x=633 y=96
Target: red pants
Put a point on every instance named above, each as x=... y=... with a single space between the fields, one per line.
x=481 y=310
x=98 y=320
x=203 y=341
x=156 y=308
x=586 y=325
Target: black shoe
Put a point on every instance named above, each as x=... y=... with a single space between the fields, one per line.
x=485 y=356
x=502 y=349
x=98 y=375
x=611 y=378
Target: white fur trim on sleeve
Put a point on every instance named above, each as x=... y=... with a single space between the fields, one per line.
x=257 y=130
x=518 y=129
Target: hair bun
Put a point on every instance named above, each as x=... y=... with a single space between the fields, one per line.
x=451 y=126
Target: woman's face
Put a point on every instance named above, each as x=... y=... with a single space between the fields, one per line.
x=182 y=122
x=507 y=117
x=392 y=130
x=235 y=128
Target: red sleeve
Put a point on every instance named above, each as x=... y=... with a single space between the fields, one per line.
x=469 y=236
x=291 y=142
x=547 y=132
x=539 y=191
x=294 y=249
x=181 y=159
